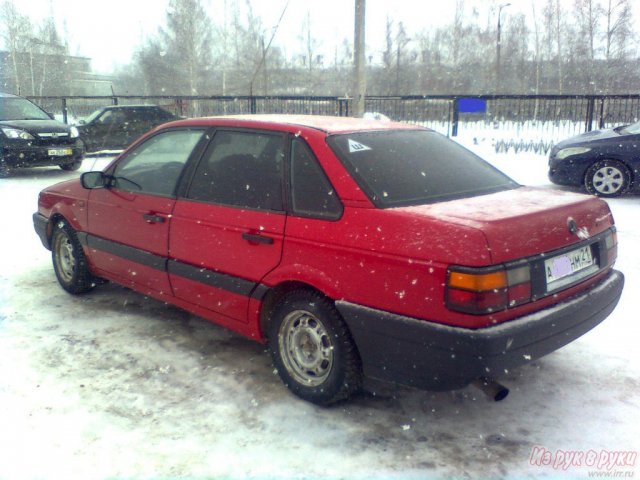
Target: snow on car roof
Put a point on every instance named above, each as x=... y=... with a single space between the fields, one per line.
x=326 y=124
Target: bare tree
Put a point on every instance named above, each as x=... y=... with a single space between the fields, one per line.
x=618 y=35
x=15 y=32
x=587 y=13
x=457 y=33
x=179 y=60
x=555 y=27
x=311 y=45
x=537 y=54
x=37 y=56
x=187 y=39
x=619 y=28
x=517 y=51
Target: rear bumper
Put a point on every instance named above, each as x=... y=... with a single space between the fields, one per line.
x=432 y=356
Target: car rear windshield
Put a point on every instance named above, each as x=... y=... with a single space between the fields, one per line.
x=633 y=129
x=20 y=109
x=413 y=167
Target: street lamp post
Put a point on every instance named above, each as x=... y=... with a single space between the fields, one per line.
x=500 y=7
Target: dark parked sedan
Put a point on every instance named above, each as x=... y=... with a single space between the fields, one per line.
x=605 y=162
x=30 y=137
x=115 y=127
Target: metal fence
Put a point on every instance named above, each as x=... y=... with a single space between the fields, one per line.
x=510 y=120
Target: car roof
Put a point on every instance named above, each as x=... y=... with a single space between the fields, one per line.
x=327 y=124
x=8 y=95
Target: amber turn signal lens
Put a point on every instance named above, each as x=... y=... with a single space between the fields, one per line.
x=478 y=282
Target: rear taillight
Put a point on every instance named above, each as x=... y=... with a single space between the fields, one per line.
x=485 y=290
x=611 y=246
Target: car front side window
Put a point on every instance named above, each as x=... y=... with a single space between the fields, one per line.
x=155 y=166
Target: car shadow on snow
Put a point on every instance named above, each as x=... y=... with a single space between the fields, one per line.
x=573 y=189
x=53 y=173
x=155 y=367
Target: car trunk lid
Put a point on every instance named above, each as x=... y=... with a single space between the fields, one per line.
x=525 y=221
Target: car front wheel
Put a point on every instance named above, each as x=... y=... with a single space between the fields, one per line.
x=71 y=167
x=607 y=178
x=312 y=348
x=69 y=261
x=4 y=169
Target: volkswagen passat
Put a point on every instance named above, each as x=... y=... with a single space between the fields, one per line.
x=354 y=249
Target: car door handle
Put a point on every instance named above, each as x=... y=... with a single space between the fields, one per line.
x=150 y=218
x=256 y=238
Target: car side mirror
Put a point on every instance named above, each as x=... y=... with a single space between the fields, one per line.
x=93 y=180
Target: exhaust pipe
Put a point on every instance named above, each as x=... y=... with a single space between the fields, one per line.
x=492 y=389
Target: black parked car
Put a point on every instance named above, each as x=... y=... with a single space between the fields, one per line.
x=115 y=127
x=30 y=137
x=605 y=162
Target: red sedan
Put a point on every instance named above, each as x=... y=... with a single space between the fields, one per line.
x=355 y=249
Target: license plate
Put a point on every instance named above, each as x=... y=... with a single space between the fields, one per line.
x=569 y=267
x=59 y=152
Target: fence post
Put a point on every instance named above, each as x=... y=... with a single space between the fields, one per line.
x=601 y=114
x=252 y=105
x=343 y=107
x=455 y=118
x=114 y=100
x=591 y=101
x=65 y=113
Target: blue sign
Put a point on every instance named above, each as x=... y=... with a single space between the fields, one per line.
x=472 y=105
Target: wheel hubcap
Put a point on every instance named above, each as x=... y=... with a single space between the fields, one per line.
x=305 y=348
x=65 y=260
x=608 y=180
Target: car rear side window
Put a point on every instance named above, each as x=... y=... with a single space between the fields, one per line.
x=414 y=167
x=312 y=194
x=155 y=166
x=242 y=169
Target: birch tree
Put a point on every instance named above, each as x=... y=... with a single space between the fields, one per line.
x=16 y=30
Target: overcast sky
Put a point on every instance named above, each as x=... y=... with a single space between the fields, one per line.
x=108 y=31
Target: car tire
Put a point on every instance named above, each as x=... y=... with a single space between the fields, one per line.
x=72 y=167
x=607 y=178
x=85 y=146
x=312 y=348
x=5 y=171
x=69 y=261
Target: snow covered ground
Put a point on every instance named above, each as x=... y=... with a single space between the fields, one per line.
x=112 y=384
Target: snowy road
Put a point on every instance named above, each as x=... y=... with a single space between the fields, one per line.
x=112 y=384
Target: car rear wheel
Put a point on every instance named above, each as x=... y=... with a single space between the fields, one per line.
x=607 y=178
x=69 y=261
x=312 y=349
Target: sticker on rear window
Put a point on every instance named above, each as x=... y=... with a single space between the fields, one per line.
x=357 y=147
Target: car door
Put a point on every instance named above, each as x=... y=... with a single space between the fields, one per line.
x=128 y=222
x=106 y=131
x=139 y=121
x=227 y=232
